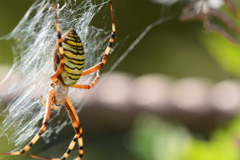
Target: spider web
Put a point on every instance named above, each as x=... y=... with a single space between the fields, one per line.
x=34 y=39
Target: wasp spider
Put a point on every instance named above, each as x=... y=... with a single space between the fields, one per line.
x=69 y=62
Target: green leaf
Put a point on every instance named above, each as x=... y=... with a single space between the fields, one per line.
x=226 y=53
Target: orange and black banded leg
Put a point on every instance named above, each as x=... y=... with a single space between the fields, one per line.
x=90 y=85
x=77 y=128
x=40 y=132
x=77 y=137
x=108 y=49
x=60 y=47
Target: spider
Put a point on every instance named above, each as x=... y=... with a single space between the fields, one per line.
x=69 y=59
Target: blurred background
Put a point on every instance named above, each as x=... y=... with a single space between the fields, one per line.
x=175 y=96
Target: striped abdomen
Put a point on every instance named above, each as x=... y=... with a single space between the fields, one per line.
x=74 y=58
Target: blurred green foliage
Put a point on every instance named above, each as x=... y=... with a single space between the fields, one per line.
x=224 y=52
x=155 y=139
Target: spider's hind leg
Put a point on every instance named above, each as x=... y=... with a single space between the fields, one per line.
x=41 y=130
x=77 y=128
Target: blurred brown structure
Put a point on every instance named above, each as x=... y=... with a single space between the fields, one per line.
x=119 y=97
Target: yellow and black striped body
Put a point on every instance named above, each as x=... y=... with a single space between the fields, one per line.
x=74 y=58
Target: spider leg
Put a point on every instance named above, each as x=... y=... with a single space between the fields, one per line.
x=77 y=138
x=42 y=129
x=90 y=85
x=108 y=49
x=61 y=50
x=77 y=128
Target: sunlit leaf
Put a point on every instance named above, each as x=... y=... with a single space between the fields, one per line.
x=226 y=53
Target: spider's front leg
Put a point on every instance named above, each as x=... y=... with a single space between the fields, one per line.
x=60 y=47
x=108 y=49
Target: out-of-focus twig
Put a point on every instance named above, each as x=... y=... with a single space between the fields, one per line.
x=204 y=11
